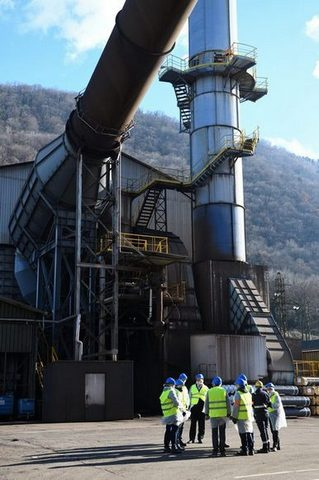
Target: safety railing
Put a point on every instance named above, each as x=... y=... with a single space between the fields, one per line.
x=306 y=368
x=137 y=184
x=238 y=140
x=208 y=58
x=172 y=61
x=141 y=243
x=261 y=82
x=177 y=291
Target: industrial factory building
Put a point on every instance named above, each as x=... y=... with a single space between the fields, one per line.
x=133 y=272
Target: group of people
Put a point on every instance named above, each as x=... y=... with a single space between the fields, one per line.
x=241 y=404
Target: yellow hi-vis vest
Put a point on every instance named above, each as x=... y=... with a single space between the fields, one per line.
x=273 y=399
x=217 y=402
x=198 y=394
x=167 y=405
x=245 y=406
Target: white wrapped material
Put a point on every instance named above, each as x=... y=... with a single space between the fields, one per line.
x=278 y=417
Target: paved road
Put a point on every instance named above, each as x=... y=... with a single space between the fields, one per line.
x=132 y=450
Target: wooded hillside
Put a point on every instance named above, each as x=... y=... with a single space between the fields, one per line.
x=281 y=189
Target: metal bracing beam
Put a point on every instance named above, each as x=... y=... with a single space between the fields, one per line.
x=160 y=214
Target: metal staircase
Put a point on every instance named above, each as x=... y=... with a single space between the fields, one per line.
x=147 y=208
x=182 y=92
x=249 y=315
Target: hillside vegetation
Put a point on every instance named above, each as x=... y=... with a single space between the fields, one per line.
x=281 y=189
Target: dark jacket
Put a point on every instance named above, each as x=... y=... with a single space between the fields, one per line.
x=260 y=402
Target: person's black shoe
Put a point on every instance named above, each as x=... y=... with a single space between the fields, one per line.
x=200 y=440
x=167 y=450
x=242 y=453
x=214 y=453
x=176 y=450
x=251 y=452
x=263 y=450
x=227 y=446
x=222 y=453
x=191 y=441
x=183 y=444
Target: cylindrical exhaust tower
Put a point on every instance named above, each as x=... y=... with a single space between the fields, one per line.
x=232 y=295
x=219 y=230
x=209 y=88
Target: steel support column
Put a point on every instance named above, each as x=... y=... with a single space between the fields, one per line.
x=78 y=347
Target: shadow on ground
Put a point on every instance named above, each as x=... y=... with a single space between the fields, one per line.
x=116 y=455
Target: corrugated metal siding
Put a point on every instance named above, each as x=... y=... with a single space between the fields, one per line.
x=179 y=217
x=17 y=338
x=8 y=284
x=312 y=355
x=13 y=309
x=132 y=170
x=228 y=355
x=12 y=179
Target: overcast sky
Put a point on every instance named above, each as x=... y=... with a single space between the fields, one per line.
x=56 y=43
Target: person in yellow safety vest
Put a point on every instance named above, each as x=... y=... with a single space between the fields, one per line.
x=217 y=407
x=242 y=415
x=186 y=414
x=172 y=415
x=185 y=401
x=197 y=395
x=249 y=387
x=277 y=416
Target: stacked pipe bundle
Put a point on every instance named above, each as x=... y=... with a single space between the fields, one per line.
x=295 y=400
x=312 y=391
x=295 y=404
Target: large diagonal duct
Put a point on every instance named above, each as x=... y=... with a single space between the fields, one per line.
x=145 y=30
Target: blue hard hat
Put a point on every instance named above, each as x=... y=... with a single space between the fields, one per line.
x=241 y=382
x=179 y=383
x=183 y=377
x=170 y=381
x=270 y=385
x=240 y=377
x=199 y=376
x=216 y=381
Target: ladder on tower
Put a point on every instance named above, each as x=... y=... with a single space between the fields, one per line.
x=183 y=102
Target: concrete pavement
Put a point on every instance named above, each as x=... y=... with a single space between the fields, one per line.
x=132 y=449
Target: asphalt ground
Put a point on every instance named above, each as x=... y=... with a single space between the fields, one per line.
x=133 y=449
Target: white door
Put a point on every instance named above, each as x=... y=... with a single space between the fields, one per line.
x=95 y=396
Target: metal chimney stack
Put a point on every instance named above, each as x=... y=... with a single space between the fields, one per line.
x=219 y=224
x=209 y=86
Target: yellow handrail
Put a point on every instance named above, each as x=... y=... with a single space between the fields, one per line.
x=306 y=368
x=177 y=291
x=141 y=243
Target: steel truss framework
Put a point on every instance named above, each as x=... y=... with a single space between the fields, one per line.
x=80 y=285
x=72 y=279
